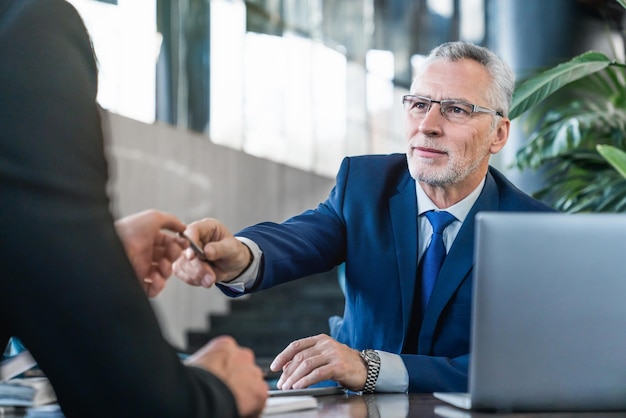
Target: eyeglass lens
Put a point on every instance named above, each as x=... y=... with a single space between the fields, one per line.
x=453 y=110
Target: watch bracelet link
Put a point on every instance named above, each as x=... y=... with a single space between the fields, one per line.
x=372 y=361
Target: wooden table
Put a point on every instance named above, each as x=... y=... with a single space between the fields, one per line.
x=410 y=406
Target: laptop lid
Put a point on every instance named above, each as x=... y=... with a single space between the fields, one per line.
x=549 y=312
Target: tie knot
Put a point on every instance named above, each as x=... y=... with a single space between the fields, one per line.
x=439 y=220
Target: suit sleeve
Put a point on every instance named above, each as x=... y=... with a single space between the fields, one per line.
x=436 y=374
x=67 y=289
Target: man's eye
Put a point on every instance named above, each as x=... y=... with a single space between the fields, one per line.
x=458 y=110
x=420 y=105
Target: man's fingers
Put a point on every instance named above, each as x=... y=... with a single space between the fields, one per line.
x=204 y=230
x=195 y=272
x=164 y=268
x=153 y=285
x=286 y=355
x=297 y=360
x=304 y=372
x=171 y=222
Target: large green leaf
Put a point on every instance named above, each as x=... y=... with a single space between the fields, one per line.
x=575 y=119
x=537 y=88
x=579 y=126
x=575 y=187
x=615 y=156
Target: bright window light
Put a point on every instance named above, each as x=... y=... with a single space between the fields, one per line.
x=127 y=68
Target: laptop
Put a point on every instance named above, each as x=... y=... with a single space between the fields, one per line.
x=549 y=314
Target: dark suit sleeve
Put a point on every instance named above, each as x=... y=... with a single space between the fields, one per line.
x=67 y=289
x=436 y=374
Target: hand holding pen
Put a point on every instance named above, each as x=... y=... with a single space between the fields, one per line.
x=199 y=252
x=219 y=256
x=151 y=247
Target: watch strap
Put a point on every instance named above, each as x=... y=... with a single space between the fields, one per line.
x=372 y=360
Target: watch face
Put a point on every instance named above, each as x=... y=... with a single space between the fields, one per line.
x=371 y=355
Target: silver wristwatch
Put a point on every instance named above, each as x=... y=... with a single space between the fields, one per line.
x=372 y=361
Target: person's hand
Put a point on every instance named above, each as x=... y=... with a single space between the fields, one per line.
x=314 y=359
x=227 y=256
x=236 y=367
x=150 y=248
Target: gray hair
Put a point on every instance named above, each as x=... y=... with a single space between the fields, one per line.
x=500 y=93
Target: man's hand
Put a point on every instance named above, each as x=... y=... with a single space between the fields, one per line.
x=227 y=256
x=314 y=359
x=150 y=249
x=235 y=366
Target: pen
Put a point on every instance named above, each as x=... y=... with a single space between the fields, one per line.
x=195 y=247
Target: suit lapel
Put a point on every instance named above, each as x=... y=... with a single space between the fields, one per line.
x=456 y=266
x=403 y=210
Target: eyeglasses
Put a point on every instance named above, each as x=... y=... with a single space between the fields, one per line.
x=454 y=110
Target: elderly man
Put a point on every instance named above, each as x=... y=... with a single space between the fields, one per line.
x=406 y=323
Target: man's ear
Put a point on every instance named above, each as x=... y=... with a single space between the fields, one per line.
x=500 y=135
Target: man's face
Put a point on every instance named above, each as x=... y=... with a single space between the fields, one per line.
x=441 y=152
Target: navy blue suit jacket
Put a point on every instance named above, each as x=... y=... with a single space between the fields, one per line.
x=369 y=221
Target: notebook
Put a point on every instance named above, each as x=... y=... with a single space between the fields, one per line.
x=279 y=405
x=549 y=314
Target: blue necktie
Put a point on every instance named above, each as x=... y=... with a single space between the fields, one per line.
x=427 y=273
x=435 y=253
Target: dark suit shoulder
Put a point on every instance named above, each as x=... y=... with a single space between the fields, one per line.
x=396 y=160
x=46 y=36
x=20 y=11
x=380 y=170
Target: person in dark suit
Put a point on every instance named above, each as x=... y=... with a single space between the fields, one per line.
x=375 y=220
x=73 y=281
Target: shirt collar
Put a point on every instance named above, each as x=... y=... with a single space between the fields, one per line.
x=459 y=209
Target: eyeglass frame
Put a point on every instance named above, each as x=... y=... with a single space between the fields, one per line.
x=475 y=108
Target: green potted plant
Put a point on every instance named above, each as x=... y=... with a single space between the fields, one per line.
x=575 y=118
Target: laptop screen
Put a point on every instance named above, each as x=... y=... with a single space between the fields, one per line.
x=549 y=312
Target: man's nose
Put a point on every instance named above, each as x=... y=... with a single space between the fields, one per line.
x=432 y=118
